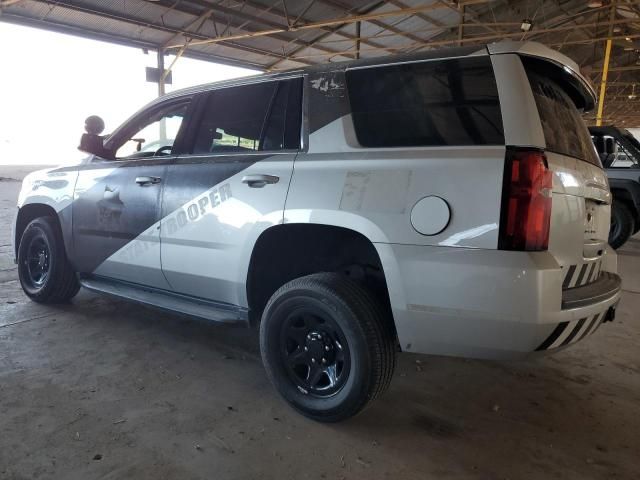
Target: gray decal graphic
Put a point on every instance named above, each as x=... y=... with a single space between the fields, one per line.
x=179 y=219
x=331 y=84
x=327 y=99
x=197 y=208
x=110 y=207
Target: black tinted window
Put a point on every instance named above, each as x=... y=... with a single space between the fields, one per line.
x=564 y=130
x=283 y=127
x=449 y=102
x=248 y=118
x=293 y=119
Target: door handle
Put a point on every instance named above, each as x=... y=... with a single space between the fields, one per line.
x=259 y=181
x=142 y=181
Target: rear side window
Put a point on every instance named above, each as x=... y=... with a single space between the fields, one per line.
x=447 y=102
x=564 y=129
x=258 y=117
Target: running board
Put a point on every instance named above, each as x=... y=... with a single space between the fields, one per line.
x=174 y=302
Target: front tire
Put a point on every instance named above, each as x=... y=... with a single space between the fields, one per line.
x=326 y=346
x=43 y=269
x=622 y=225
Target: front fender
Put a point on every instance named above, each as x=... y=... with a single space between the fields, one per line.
x=52 y=189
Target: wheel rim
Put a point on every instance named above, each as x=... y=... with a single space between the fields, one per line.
x=38 y=262
x=315 y=353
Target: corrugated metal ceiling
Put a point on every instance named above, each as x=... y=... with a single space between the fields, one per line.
x=282 y=34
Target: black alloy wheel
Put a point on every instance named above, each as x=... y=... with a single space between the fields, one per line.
x=38 y=261
x=327 y=345
x=315 y=352
x=45 y=273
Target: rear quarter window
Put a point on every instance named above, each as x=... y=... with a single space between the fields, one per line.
x=564 y=129
x=434 y=103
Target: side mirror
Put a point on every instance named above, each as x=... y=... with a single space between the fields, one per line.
x=92 y=142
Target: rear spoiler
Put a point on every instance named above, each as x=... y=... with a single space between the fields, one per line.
x=579 y=82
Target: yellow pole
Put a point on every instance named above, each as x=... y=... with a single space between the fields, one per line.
x=605 y=67
x=603 y=84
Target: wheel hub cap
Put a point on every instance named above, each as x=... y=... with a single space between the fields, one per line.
x=314 y=354
x=37 y=262
x=320 y=348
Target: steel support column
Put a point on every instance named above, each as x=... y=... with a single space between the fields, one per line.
x=605 y=67
x=161 y=89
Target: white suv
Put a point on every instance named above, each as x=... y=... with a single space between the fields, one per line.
x=449 y=202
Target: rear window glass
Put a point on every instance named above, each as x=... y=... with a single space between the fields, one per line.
x=447 y=102
x=564 y=129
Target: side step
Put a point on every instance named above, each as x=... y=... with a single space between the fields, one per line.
x=174 y=302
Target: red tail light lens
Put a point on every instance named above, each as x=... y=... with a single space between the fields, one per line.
x=526 y=202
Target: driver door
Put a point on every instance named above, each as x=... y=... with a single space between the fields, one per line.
x=116 y=212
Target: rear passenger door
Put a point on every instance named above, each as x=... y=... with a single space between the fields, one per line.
x=229 y=187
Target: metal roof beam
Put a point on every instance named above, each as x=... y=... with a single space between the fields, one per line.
x=329 y=32
x=485 y=38
x=423 y=16
x=377 y=23
x=332 y=30
x=115 y=39
x=249 y=18
x=328 y=23
x=164 y=28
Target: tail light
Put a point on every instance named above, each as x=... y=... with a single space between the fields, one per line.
x=526 y=201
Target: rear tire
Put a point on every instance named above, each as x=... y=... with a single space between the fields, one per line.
x=326 y=346
x=43 y=268
x=622 y=225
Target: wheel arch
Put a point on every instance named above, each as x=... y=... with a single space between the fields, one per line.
x=300 y=249
x=29 y=212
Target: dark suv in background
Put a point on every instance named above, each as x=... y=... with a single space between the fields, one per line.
x=619 y=152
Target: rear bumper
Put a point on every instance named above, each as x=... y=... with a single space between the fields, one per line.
x=607 y=286
x=490 y=303
x=567 y=333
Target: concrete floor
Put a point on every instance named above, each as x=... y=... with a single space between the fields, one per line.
x=104 y=389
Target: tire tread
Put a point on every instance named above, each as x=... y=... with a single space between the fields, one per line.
x=374 y=322
x=66 y=285
x=627 y=227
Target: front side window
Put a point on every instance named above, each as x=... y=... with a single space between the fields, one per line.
x=251 y=118
x=154 y=135
x=435 y=103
